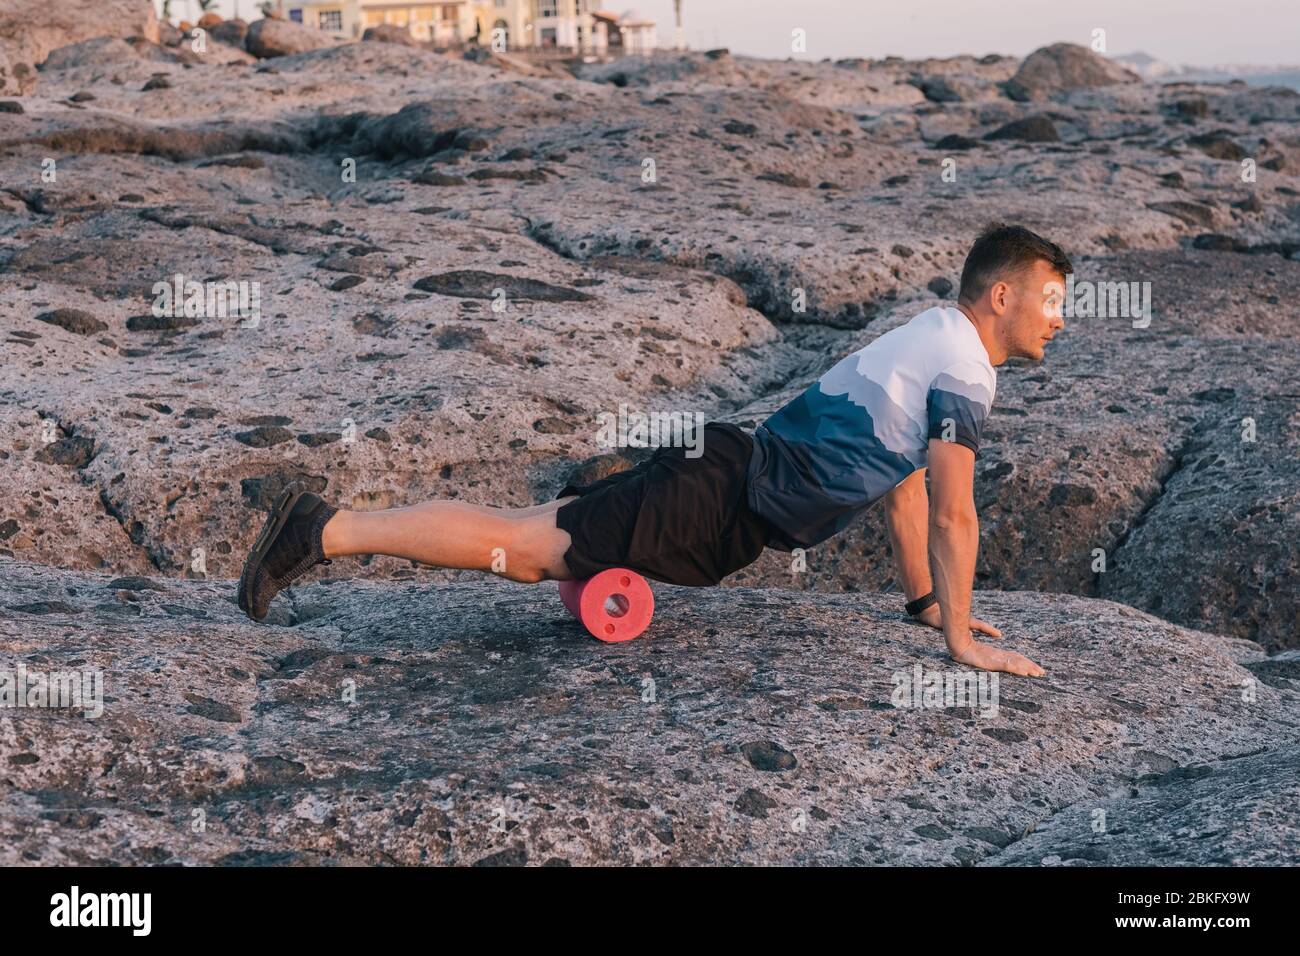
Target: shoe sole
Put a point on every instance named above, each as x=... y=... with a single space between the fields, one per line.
x=275 y=523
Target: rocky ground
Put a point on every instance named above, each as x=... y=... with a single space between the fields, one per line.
x=477 y=723
x=524 y=247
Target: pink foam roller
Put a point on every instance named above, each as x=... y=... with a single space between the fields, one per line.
x=614 y=605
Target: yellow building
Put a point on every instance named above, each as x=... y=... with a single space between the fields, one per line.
x=537 y=25
x=501 y=25
x=444 y=22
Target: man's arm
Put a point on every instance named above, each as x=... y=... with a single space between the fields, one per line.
x=907 y=517
x=954 y=543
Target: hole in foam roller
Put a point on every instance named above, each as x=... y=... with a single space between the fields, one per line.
x=609 y=628
x=625 y=582
x=616 y=605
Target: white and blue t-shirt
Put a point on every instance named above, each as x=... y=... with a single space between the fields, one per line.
x=865 y=425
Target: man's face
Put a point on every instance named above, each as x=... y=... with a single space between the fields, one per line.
x=1032 y=310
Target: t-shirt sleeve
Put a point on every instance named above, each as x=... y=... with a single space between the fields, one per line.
x=958 y=403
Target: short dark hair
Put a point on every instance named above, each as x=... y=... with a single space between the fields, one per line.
x=1001 y=249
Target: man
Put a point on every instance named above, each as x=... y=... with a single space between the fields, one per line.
x=914 y=400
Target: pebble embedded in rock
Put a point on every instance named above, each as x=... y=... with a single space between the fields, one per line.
x=754 y=803
x=1031 y=129
x=477 y=284
x=768 y=755
x=77 y=321
x=75 y=451
x=264 y=436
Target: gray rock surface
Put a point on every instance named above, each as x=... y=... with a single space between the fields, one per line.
x=1083 y=451
x=1235 y=813
x=476 y=723
x=31 y=29
x=520 y=251
x=270 y=38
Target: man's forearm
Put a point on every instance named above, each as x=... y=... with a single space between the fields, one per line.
x=907 y=519
x=954 y=542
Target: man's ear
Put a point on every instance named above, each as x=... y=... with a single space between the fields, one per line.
x=999 y=293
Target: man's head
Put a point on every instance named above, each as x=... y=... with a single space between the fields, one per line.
x=1011 y=283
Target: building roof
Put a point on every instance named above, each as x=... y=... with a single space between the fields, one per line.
x=631 y=18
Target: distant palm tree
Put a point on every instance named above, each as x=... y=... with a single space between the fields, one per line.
x=206 y=5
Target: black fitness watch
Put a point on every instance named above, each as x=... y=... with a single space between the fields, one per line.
x=913 y=608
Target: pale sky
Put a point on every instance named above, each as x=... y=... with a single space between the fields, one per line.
x=1197 y=32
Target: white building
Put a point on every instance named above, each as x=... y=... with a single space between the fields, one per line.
x=638 y=33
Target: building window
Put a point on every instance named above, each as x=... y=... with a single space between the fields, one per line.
x=331 y=20
x=295 y=15
x=546 y=8
x=420 y=22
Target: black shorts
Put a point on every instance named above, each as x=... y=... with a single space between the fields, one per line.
x=672 y=518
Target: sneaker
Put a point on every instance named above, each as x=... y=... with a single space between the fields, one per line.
x=288 y=547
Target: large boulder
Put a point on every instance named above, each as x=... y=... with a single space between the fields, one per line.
x=31 y=29
x=168 y=34
x=946 y=89
x=1063 y=67
x=231 y=32
x=388 y=33
x=97 y=52
x=268 y=38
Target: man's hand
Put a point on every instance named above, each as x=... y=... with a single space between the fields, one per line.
x=989 y=658
x=934 y=617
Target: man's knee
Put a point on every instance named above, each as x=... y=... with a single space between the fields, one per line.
x=534 y=552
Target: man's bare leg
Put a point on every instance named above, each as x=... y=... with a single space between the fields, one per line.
x=522 y=544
